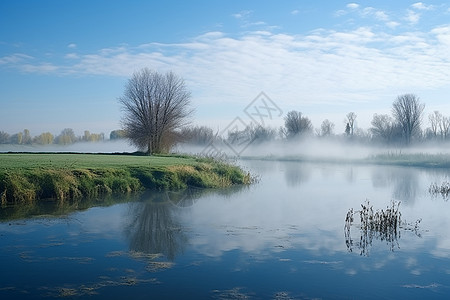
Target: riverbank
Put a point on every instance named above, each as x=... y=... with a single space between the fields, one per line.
x=27 y=177
x=419 y=160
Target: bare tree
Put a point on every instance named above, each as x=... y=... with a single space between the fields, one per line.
x=435 y=121
x=66 y=137
x=155 y=105
x=4 y=137
x=198 y=135
x=295 y=124
x=45 y=138
x=27 y=139
x=326 y=128
x=260 y=134
x=384 y=128
x=351 y=118
x=407 y=111
x=444 y=127
x=117 y=134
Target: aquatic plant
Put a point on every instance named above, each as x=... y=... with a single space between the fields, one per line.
x=443 y=189
x=384 y=224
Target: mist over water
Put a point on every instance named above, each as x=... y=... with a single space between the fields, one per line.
x=116 y=146
x=311 y=148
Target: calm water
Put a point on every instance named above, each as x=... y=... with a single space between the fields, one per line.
x=280 y=239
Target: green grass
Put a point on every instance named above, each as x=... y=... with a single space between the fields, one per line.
x=25 y=178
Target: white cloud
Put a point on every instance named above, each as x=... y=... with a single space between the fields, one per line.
x=422 y=6
x=352 y=5
x=340 y=13
x=295 y=12
x=39 y=68
x=15 y=58
x=242 y=14
x=323 y=66
x=71 y=56
x=412 y=17
x=381 y=15
x=72 y=46
x=392 y=24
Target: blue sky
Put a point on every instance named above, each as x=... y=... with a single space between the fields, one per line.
x=63 y=64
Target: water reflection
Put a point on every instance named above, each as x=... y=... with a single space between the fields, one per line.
x=153 y=223
x=154 y=228
x=253 y=242
x=297 y=173
x=405 y=186
x=405 y=182
x=383 y=225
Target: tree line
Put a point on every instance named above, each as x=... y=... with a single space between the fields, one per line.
x=157 y=110
x=402 y=127
x=66 y=137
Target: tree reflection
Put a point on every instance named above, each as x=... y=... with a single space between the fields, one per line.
x=297 y=173
x=405 y=182
x=406 y=186
x=154 y=226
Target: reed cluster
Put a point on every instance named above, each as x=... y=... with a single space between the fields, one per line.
x=381 y=224
x=442 y=189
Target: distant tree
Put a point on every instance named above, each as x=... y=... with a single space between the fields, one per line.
x=260 y=134
x=384 y=128
x=154 y=105
x=86 y=136
x=45 y=138
x=27 y=139
x=326 y=128
x=435 y=121
x=92 y=137
x=197 y=135
x=347 y=129
x=4 y=137
x=17 y=138
x=295 y=124
x=66 y=137
x=407 y=111
x=351 y=118
x=239 y=137
x=117 y=134
x=444 y=127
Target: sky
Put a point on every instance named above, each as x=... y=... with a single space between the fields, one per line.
x=65 y=63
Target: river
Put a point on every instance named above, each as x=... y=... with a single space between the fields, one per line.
x=282 y=238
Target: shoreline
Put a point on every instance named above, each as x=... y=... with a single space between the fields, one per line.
x=417 y=160
x=28 y=177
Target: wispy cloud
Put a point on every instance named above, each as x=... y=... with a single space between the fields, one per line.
x=368 y=12
x=353 y=5
x=242 y=14
x=422 y=6
x=14 y=59
x=321 y=66
x=412 y=17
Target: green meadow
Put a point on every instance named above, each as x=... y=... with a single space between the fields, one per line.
x=27 y=177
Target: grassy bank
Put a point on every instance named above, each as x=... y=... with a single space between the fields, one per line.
x=29 y=177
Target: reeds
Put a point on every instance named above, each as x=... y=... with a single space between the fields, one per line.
x=443 y=189
x=381 y=224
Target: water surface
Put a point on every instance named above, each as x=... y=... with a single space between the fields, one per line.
x=282 y=238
